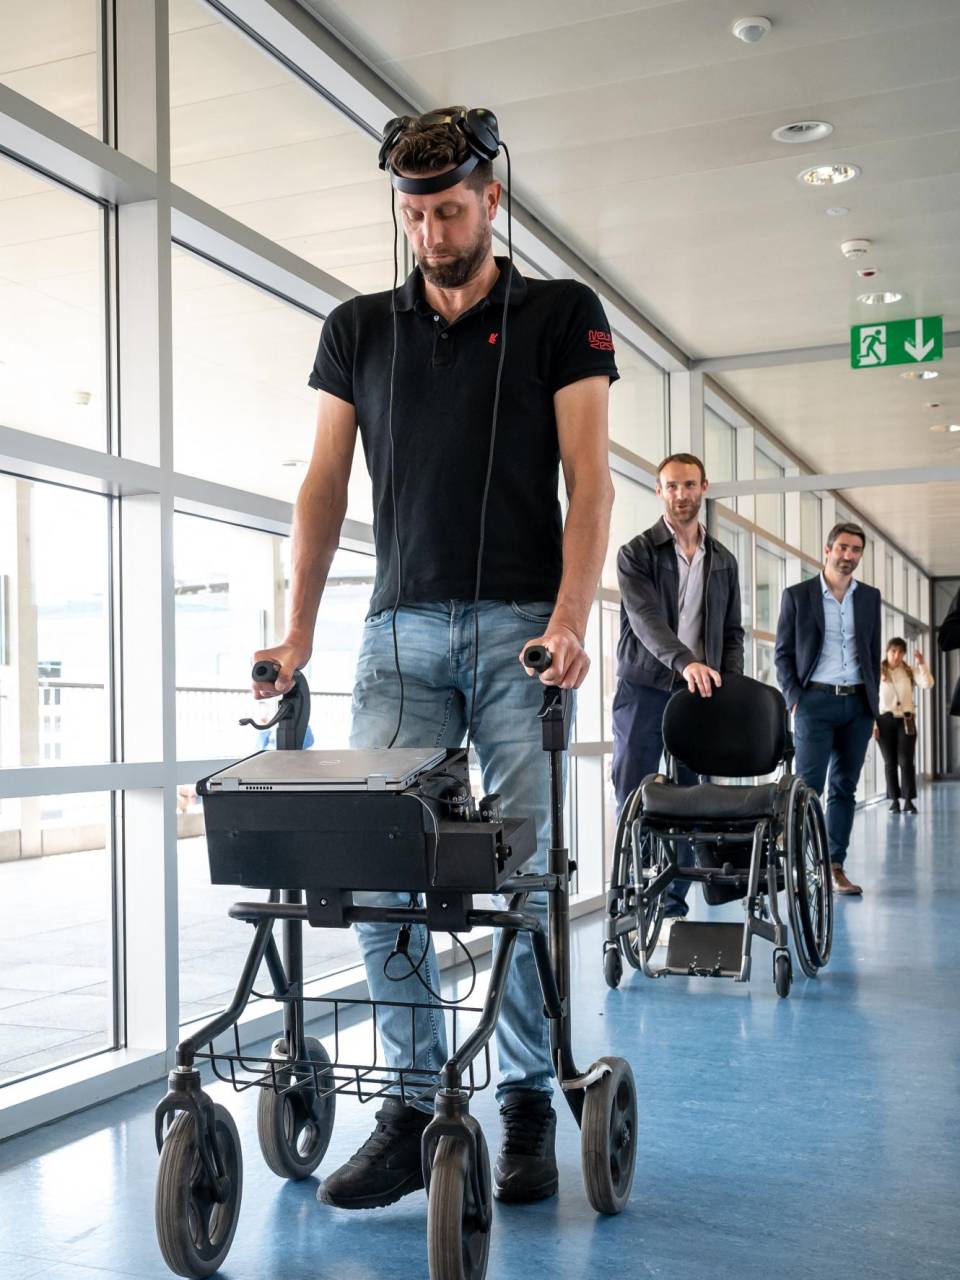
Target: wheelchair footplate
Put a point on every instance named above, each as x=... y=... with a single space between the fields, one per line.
x=705 y=949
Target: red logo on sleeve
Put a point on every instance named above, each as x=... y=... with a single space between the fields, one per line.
x=493 y=339
x=599 y=340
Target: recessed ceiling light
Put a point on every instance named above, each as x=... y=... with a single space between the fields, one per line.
x=803 y=131
x=938 y=426
x=827 y=175
x=954 y=426
x=750 y=30
x=886 y=297
x=837 y=211
x=923 y=374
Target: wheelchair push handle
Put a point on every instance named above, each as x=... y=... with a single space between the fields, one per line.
x=265 y=672
x=538 y=658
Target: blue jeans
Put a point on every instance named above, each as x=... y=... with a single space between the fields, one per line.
x=831 y=731
x=436 y=659
x=637 y=748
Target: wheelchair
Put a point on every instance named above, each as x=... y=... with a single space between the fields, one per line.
x=750 y=841
x=275 y=821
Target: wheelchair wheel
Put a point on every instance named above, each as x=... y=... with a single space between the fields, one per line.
x=458 y=1227
x=612 y=966
x=194 y=1230
x=809 y=885
x=636 y=855
x=294 y=1124
x=782 y=973
x=608 y=1137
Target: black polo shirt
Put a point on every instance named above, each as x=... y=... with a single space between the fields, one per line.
x=444 y=384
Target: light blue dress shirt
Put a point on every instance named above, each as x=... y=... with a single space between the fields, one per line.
x=838 y=662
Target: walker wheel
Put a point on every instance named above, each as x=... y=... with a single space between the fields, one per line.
x=782 y=973
x=194 y=1230
x=612 y=966
x=608 y=1137
x=294 y=1123
x=458 y=1227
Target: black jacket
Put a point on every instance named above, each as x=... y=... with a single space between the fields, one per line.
x=800 y=633
x=649 y=651
x=949 y=637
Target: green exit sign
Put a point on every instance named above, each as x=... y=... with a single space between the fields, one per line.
x=896 y=342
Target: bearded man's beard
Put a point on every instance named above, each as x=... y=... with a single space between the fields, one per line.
x=456 y=272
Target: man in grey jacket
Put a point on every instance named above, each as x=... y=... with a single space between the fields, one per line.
x=679 y=623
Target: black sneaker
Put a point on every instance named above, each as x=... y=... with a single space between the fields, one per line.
x=527 y=1164
x=387 y=1166
x=894 y=806
x=909 y=807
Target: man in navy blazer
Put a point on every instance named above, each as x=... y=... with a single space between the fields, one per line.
x=828 y=668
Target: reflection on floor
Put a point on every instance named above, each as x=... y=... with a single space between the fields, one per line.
x=814 y=1136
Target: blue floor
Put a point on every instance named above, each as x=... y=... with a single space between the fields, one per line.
x=808 y=1137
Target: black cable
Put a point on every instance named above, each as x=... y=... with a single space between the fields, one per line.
x=393 y=469
x=490 y=455
x=414 y=969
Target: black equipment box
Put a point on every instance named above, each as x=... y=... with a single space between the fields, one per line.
x=377 y=831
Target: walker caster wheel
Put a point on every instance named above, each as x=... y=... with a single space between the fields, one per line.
x=608 y=1137
x=612 y=966
x=294 y=1123
x=194 y=1229
x=458 y=1223
x=782 y=973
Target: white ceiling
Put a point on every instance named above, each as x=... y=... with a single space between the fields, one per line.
x=640 y=133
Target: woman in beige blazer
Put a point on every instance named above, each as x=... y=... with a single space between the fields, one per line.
x=896 y=727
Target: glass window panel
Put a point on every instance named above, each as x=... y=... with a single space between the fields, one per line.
x=55 y=627
x=231 y=598
x=810 y=521
x=610 y=634
x=737 y=542
x=635 y=508
x=770 y=577
x=56 y=930
x=764 y=669
x=888 y=576
x=720 y=448
x=252 y=139
x=243 y=414
x=769 y=506
x=48 y=53
x=52 y=320
x=638 y=413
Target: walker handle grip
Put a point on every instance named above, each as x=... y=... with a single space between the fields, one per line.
x=265 y=672
x=538 y=657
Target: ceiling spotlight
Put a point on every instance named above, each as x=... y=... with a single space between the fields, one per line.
x=954 y=427
x=913 y=374
x=750 y=30
x=886 y=297
x=803 y=131
x=828 y=175
x=837 y=211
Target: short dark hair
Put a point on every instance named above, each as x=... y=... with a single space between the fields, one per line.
x=897 y=642
x=427 y=146
x=688 y=459
x=846 y=526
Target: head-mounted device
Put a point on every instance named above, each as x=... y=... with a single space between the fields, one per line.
x=479 y=129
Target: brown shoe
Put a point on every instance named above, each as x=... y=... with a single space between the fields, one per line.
x=840 y=882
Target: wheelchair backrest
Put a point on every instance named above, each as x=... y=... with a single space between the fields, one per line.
x=742 y=731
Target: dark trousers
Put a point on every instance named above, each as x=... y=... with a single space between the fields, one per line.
x=637 y=748
x=832 y=732
x=899 y=751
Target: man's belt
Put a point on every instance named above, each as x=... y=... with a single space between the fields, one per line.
x=841 y=690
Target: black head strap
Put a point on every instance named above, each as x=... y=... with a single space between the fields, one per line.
x=478 y=128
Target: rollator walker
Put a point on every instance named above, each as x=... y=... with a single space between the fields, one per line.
x=751 y=842
x=302 y=825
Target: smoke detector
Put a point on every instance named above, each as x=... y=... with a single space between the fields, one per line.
x=750 y=30
x=855 y=248
x=803 y=131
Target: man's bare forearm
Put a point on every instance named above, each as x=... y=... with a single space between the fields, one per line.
x=586 y=533
x=317 y=520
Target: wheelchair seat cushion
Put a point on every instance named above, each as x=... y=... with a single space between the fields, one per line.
x=708 y=801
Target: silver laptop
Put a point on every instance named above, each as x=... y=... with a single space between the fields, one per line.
x=377 y=769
